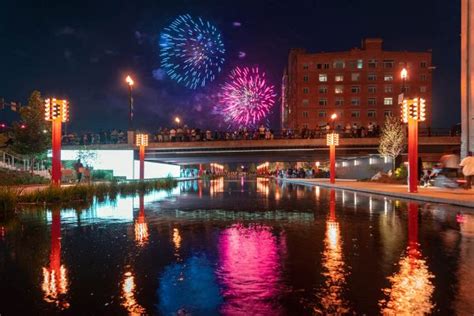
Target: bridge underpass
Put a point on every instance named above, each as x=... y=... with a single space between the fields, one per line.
x=288 y=150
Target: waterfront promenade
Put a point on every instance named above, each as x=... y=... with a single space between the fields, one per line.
x=459 y=197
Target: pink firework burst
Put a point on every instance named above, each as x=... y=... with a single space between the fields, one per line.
x=246 y=98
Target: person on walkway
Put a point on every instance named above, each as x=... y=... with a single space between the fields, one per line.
x=79 y=168
x=467 y=165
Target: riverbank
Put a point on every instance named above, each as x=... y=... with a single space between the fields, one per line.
x=458 y=197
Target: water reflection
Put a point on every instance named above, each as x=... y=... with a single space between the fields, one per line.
x=411 y=287
x=55 y=282
x=249 y=269
x=128 y=295
x=141 y=226
x=334 y=270
x=216 y=186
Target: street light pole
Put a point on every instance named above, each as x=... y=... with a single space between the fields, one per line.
x=332 y=140
x=130 y=83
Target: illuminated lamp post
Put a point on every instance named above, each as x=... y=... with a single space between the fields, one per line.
x=57 y=112
x=130 y=83
x=141 y=141
x=177 y=120
x=413 y=111
x=332 y=140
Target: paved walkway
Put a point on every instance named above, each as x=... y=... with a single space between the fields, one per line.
x=432 y=194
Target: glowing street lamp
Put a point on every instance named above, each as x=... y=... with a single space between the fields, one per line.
x=177 y=120
x=141 y=141
x=332 y=140
x=57 y=112
x=130 y=83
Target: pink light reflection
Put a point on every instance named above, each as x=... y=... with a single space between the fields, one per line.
x=250 y=270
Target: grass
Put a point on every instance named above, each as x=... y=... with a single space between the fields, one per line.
x=10 y=197
x=10 y=177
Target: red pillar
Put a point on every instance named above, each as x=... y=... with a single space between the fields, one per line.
x=200 y=170
x=56 y=160
x=142 y=162
x=412 y=155
x=332 y=163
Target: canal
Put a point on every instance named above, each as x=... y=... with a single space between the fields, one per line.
x=235 y=247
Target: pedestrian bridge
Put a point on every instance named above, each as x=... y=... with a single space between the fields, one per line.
x=242 y=151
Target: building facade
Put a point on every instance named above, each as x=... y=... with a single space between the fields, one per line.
x=360 y=85
x=467 y=79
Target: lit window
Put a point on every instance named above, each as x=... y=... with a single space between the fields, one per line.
x=423 y=64
x=339 y=101
x=323 y=77
x=372 y=89
x=338 y=64
x=372 y=63
x=372 y=101
x=305 y=66
x=305 y=114
x=372 y=77
x=338 y=89
x=423 y=89
x=387 y=113
x=305 y=90
x=355 y=101
x=371 y=113
x=360 y=63
x=355 y=76
x=323 y=89
x=355 y=89
x=355 y=114
x=323 y=102
x=305 y=78
x=388 y=77
x=388 y=63
x=305 y=102
x=387 y=101
x=339 y=78
x=388 y=88
x=322 y=114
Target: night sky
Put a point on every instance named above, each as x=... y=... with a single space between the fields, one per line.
x=82 y=50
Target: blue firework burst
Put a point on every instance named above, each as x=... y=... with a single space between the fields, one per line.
x=191 y=51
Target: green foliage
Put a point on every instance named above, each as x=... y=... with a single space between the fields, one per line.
x=107 y=175
x=401 y=172
x=9 y=177
x=34 y=139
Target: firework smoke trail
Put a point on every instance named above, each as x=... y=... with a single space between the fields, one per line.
x=246 y=98
x=191 y=51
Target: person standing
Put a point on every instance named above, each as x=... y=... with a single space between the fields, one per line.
x=79 y=168
x=467 y=165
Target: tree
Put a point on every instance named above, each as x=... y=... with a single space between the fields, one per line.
x=31 y=136
x=392 y=139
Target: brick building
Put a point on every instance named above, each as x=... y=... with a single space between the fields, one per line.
x=360 y=85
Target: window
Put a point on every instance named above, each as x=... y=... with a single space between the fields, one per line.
x=388 y=77
x=305 y=78
x=423 y=64
x=388 y=88
x=305 y=90
x=387 y=63
x=372 y=89
x=387 y=113
x=387 y=101
x=319 y=66
x=338 y=89
x=305 y=102
x=323 y=89
x=371 y=113
x=423 y=89
x=305 y=114
x=305 y=125
x=360 y=63
x=323 y=77
x=423 y=77
x=326 y=66
x=305 y=66
x=355 y=114
x=372 y=77
x=339 y=78
x=355 y=76
x=338 y=64
x=372 y=63
x=323 y=102
x=355 y=89
x=339 y=102
x=372 y=101
x=355 y=101
x=322 y=114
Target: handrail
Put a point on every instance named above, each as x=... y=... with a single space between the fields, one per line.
x=17 y=163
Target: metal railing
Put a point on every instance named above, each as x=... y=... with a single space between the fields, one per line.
x=13 y=162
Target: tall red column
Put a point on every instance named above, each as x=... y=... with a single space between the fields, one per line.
x=56 y=159
x=412 y=155
x=142 y=162
x=332 y=163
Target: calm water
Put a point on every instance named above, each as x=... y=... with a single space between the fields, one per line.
x=240 y=248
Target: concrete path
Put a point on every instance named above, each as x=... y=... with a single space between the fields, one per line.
x=432 y=194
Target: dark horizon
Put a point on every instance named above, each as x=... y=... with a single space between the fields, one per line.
x=82 y=51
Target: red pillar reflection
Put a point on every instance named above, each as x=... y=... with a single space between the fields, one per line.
x=249 y=259
x=411 y=287
x=141 y=226
x=55 y=281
